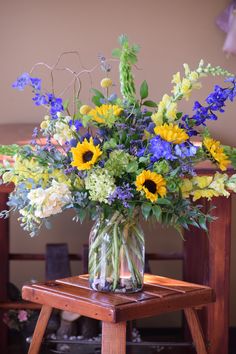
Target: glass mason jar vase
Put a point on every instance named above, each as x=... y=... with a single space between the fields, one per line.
x=116 y=254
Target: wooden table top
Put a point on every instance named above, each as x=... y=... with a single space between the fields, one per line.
x=159 y=295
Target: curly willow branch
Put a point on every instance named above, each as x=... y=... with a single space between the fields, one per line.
x=76 y=81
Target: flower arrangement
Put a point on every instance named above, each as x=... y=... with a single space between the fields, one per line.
x=119 y=156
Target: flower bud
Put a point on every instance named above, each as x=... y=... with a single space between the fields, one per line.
x=85 y=109
x=106 y=82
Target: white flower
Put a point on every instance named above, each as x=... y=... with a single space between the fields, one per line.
x=51 y=200
x=63 y=132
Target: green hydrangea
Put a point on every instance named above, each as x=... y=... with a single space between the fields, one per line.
x=118 y=162
x=100 y=184
x=161 y=167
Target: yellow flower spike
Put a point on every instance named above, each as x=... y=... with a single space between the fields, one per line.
x=106 y=82
x=85 y=109
x=176 y=78
x=216 y=153
x=152 y=184
x=186 y=69
x=202 y=181
x=171 y=133
x=204 y=193
x=186 y=187
x=100 y=114
x=157 y=118
x=85 y=154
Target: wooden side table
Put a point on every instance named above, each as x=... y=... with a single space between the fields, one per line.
x=160 y=295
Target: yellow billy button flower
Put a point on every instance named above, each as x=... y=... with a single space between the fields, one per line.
x=171 y=133
x=152 y=184
x=106 y=82
x=85 y=154
x=216 y=153
x=85 y=109
x=102 y=113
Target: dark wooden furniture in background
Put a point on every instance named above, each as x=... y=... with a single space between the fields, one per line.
x=159 y=295
x=206 y=259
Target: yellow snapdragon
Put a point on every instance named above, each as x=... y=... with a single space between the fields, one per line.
x=205 y=186
x=167 y=110
x=184 y=87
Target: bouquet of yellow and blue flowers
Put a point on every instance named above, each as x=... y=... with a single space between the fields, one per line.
x=118 y=157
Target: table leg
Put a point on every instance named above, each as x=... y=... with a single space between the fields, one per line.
x=196 y=330
x=113 y=338
x=4 y=266
x=207 y=261
x=40 y=329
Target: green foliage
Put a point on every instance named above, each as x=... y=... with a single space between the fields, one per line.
x=9 y=150
x=231 y=153
x=144 y=90
x=146 y=210
x=98 y=95
x=149 y=103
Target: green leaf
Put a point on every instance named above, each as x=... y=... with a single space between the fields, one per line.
x=116 y=53
x=156 y=209
x=149 y=103
x=97 y=93
x=123 y=39
x=146 y=208
x=202 y=223
x=66 y=104
x=144 y=90
x=163 y=201
x=132 y=167
x=96 y=101
x=82 y=215
x=179 y=115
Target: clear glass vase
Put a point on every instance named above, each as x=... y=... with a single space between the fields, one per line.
x=116 y=254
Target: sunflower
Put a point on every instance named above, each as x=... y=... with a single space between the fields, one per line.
x=85 y=154
x=216 y=153
x=172 y=133
x=104 y=112
x=152 y=184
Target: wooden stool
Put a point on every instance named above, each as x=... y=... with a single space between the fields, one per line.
x=159 y=295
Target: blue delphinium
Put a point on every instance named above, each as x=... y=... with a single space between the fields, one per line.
x=215 y=103
x=36 y=83
x=160 y=148
x=56 y=105
x=21 y=82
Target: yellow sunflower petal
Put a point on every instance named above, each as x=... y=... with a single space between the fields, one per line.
x=152 y=184
x=171 y=133
x=85 y=154
x=216 y=152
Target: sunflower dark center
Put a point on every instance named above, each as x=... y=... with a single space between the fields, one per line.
x=87 y=156
x=150 y=185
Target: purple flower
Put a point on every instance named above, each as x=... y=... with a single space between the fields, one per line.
x=76 y=123
x=185 y=150
x=22 y=316
x=39 y=99
x=160 y=149
x=123 y=193
x=56 y=105
x=36 y=83
x=21 y=82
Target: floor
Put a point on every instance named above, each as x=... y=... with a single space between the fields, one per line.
x=18 y=345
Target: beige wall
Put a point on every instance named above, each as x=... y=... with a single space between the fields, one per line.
x=169 y=33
